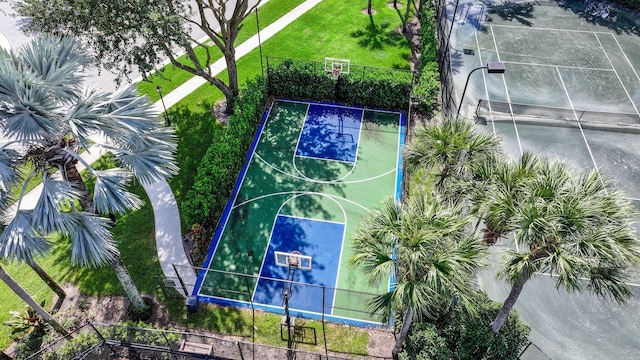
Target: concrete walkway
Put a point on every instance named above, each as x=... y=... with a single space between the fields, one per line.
x=168 y=235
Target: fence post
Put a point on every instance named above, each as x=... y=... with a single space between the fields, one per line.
x=184 y=288
x=324 y=330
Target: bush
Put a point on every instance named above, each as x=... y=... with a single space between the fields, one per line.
x=466 y=336
x=425 y=93
x=225 y=156
x=365 y=86
x=424 y=343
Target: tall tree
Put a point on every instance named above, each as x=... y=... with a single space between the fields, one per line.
x=577 y=228
x=142 y=34
x=48 y=118
x=428 y=249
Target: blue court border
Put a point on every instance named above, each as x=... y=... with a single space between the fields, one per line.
x=234 y=194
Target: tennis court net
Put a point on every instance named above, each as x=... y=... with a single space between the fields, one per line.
x=550 y=116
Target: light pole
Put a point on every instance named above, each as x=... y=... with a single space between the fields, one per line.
x=493 y=67
x=259 y=41
x=166 y=116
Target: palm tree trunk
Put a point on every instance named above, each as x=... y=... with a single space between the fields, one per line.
x=369 y=8
x=130 y=288
x=52 y=284
x=406 y=325
x=516 y=289
x=137 y=304
x=22 y=293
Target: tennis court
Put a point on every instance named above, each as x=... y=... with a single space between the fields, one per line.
x=571 y=90
x=314 y=171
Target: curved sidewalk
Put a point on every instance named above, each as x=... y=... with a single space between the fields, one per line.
x=165 y=209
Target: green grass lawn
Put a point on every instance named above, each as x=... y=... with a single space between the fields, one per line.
x=173 y=77
x=334 y=28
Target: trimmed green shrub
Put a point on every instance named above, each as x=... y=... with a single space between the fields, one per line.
x=364 y=86
x=425 y=94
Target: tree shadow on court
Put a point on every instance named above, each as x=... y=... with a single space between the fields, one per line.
x=378 y=36
x=510 y=11
x=604 y=14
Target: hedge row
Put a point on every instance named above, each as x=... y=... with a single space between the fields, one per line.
x=425 y=93
x=363 y=86
x=225 y=157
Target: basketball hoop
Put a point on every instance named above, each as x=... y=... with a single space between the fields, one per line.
x=336 y=67
x=293 y=260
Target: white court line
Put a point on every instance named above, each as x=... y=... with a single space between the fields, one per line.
x=486 y=88
x=554 y=66
x=331 y=182
x=495 y=44
x=626 y=58
x=617 y=75
x=551 y=29
x=506 y=91
x=584 y=137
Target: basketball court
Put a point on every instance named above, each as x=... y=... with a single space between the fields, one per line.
x=571 y=90
x=314 y=171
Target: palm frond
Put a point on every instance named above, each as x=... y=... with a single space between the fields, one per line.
x=57 y=62
x=110 y=194
x=19 y=242
x=91 y=242
x=8 y=167
x=47 y=212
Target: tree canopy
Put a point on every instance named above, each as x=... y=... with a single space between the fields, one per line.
x=138 y=34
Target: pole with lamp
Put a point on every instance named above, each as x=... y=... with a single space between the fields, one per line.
x=166 y=116
x=493 y=67
x=259 y=41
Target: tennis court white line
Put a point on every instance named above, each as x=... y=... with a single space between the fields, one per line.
x=625 y=57
x=551 y=29
x=486 y=88
x=560 y=66
x=506 y=92
x=584 y=137
x=617 y=75
x=495 y=43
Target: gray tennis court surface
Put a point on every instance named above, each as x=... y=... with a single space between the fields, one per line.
x=572 y=68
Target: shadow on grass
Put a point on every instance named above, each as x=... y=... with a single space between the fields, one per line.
x=196 y=127
x=219 y=319
x=377 y=37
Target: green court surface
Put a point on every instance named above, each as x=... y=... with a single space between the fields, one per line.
x=315 y=171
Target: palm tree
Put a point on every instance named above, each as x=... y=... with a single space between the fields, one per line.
x=449 y=148
x=427 y=248
x=577 y=228
x=48 y=119
x=495 y=186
